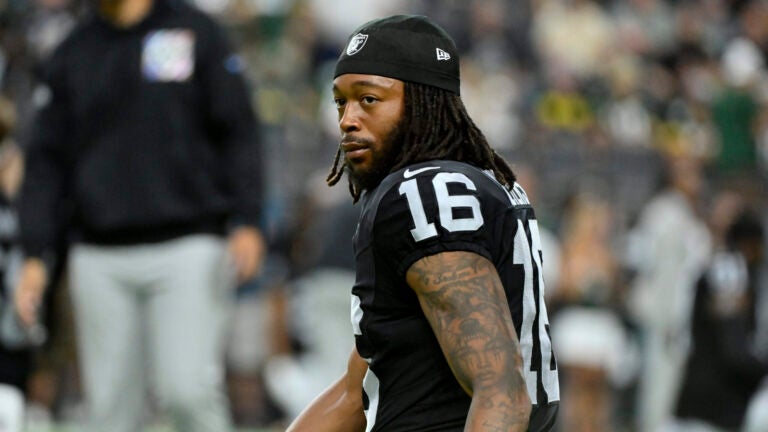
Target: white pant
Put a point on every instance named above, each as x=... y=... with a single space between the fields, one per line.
x=156 y=311
x=660 y=380
x=757 y=415
x=11 y=409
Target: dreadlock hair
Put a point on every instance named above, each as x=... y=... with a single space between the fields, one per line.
x=435 y=125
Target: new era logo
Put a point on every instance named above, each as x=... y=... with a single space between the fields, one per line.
x=442 y=55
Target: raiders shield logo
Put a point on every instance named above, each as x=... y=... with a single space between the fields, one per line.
x=356 y=43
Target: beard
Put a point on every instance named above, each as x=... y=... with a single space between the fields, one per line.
x=383 y=160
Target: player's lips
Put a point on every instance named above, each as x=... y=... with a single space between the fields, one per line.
x=354 y=149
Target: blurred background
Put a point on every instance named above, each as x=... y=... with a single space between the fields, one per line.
x=638 y=127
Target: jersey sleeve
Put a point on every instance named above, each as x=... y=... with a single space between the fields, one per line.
x=432 y=212
x=42 y=202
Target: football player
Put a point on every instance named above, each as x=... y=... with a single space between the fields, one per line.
x=448 y=308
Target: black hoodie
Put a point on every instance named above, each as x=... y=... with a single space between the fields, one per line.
x=145 y=134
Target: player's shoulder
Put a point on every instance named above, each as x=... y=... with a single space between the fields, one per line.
x=435 y=167
x=436 y=178
x=439 y=188
x=429 y=207
x=437 y=172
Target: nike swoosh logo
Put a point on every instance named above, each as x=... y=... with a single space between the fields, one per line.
x=408 y=173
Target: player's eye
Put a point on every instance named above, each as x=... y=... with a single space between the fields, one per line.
x=369 y=99
x=339 y=102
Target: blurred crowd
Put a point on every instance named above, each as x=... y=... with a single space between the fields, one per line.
x=638 y=127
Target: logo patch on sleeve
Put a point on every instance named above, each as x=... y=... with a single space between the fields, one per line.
x=168 y=55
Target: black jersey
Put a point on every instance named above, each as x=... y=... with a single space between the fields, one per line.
x=722 y=371
x=423 y=210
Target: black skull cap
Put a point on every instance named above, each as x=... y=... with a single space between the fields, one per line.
x=405 y=47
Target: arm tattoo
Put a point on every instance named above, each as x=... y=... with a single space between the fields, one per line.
x=463 y=299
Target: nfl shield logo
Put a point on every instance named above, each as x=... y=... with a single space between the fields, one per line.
x=356 y=43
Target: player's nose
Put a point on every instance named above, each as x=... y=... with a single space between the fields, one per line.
x=349 y=119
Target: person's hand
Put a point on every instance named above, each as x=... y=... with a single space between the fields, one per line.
x=29 y=290
x=246 y=247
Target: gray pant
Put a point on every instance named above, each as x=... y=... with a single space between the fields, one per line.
x=155 y=311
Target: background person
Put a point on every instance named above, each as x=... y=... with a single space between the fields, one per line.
x=145 y=154
x=723 y=370
x=16 y=356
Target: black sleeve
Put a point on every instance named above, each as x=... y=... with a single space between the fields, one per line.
x=42 y=215
x=233 y=124
x=454 y=210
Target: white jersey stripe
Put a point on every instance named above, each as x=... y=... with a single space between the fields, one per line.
x=549 y=380
x=371 y=389
x=522 y=256
x=356 y=314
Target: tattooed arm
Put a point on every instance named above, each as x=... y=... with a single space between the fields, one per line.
x=340 y=407
x=464 y=301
